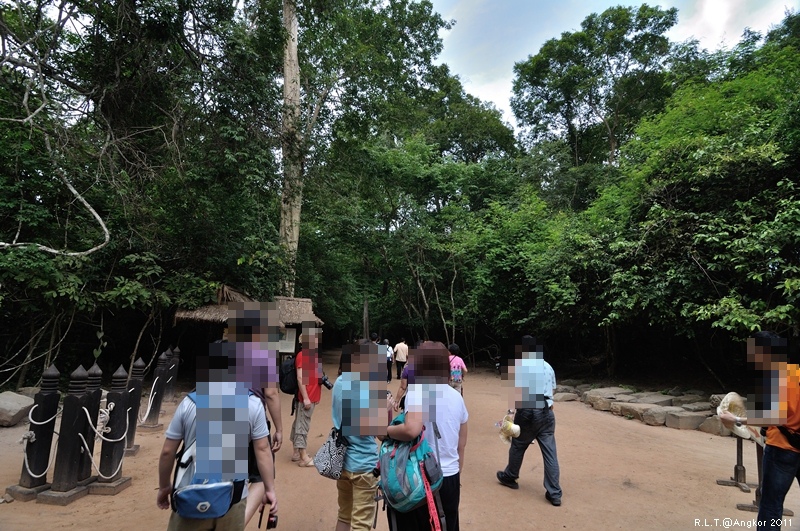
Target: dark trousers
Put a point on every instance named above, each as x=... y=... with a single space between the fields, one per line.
x=389 y=370
x=450 y=494
x=538 y=425
x=399 y=365
x=419 y=519
x=779 y=469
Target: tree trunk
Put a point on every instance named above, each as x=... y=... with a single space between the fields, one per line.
x=291 y=147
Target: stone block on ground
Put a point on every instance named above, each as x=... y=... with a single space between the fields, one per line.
x=635 y=410
x=583 y=387
x=656 y=398
x=685 y=420
x=565 y=389
x=715 y=400
x=714 y=426
x=571 y=382
x=657 y=416
x=698 y=407
x=604 y=391
x=13 y=407
x=695 y=392
x=686 y=399
x=565 y=397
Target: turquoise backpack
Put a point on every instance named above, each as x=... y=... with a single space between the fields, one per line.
x=193 y=498
x=402 y=465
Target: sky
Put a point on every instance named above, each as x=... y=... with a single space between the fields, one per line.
x=489 y=36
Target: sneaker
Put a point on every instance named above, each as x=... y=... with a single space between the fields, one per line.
x=510 y=483
x=555 y=501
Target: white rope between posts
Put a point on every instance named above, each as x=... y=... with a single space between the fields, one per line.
x=31 y=437
x=94 y=465
x=105 y=429
x=51 y=419
x=149 y=402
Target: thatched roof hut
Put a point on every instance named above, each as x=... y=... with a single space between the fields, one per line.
x=291 y=310
x=214 y=313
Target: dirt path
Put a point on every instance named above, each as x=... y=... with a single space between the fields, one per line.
x=615 y=473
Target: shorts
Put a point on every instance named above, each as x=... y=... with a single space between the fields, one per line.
x=301 y=425
x=456 y=385
x=232 y=521
x=357 y=499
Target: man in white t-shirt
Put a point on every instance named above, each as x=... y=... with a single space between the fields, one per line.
x=432 y=399
x=216 y=413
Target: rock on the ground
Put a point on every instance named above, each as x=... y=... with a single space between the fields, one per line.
x=694 y=392
x=698 y=407
x=686 y=399
x=715 y=400
x=604 y=391
x=655 y=398
x=675 y=391
x=633 y=409
x=565 y=389
x=571 y=382
x=13 y=407
x=565 y=397
x=714 y=426
x=685 y=420
x=657 y=416
x=583 y=387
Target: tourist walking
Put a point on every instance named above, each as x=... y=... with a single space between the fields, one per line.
x=350 y=403
x=534 y=382
x=309 y=372
x=432 y=403
x=185 y=427
x=457 y=368
x=400 y=356
x=779 y=387
x=389 y=358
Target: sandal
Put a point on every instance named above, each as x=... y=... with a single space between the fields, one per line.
x=308 y=463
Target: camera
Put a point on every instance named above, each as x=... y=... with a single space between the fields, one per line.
x=326 y=382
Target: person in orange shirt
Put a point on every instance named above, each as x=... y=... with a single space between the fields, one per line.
x=779 y=394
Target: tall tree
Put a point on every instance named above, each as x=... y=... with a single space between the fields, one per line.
x=602 y=78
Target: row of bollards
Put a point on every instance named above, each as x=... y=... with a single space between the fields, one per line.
x=86 y=417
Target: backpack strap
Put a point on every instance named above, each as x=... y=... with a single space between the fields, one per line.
x=436 y=438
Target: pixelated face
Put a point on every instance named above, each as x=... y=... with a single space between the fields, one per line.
x=255 y=334
x=527 y=377
x=762 y=357
x=364 y=392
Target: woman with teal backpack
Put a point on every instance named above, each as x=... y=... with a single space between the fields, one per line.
x=436 y=411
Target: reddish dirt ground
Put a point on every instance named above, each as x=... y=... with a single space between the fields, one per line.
x=615 y=474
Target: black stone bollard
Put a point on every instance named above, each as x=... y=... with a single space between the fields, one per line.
x=157 y=393
x=172 y=373
x=65 y=488
x=110 y=479
x=36 y=460
x=91 y=400
x=134 y=401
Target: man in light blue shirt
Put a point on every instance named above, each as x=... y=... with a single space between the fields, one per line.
x=534 y=382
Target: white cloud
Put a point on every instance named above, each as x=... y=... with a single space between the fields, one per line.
x=491 y=35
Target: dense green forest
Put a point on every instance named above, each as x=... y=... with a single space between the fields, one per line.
x=643 y=220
